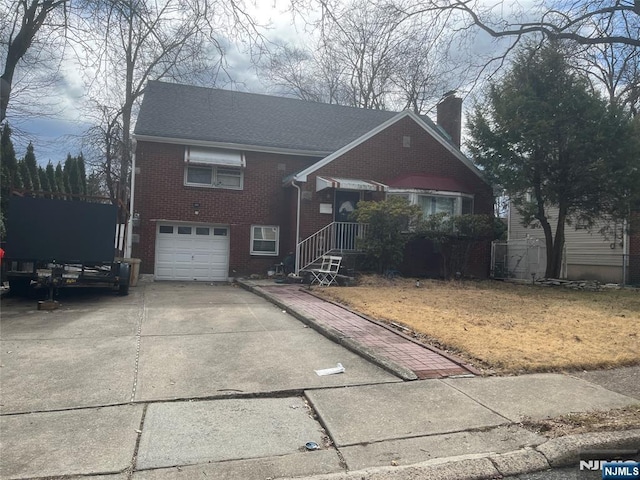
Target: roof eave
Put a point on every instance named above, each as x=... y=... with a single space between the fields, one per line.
x=303 y=175
x=450 y=147
x=230 y=146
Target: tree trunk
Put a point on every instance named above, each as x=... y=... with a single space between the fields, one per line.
x=558 y=245
x=541 y=216
x=126 y=124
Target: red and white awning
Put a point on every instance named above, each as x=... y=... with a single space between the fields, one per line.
x=349 y=184
x=211 y=156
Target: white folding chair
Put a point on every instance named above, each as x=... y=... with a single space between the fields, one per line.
x=327 y=273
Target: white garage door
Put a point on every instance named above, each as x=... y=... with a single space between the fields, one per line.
x=192 y=252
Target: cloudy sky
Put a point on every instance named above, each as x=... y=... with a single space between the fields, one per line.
x=59 y=131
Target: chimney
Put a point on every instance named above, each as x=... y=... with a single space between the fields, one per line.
x=450 y=116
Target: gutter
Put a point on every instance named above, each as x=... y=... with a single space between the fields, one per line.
x=129 y=242
x=297 y=263
x=625 y=251
x=233 y=146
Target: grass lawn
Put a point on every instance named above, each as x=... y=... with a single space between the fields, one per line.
x=506 y=327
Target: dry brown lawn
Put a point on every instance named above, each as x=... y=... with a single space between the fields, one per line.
x=507 y=327
x=573 y=423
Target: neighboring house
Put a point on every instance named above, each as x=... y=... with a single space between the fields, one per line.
x=228 y=183
x=589 y=254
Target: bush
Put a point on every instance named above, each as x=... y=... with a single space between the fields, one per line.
x=389 y=223
x=457 y=236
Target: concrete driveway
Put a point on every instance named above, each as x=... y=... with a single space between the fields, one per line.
x=184 y=381
x=77 y=382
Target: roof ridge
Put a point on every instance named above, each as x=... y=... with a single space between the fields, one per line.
x=281 y=97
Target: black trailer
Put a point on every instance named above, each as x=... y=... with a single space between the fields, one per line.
x=62 y=243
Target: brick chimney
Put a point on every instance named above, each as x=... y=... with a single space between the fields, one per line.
x=450 y=116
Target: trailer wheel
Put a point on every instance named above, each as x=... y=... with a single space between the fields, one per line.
x=124 y=273
x=123 y=289
x=19 y=286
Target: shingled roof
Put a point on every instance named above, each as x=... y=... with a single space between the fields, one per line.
x=204 y=115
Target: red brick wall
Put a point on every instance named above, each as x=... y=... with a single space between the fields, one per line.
x=383 y=158
x=161 y=195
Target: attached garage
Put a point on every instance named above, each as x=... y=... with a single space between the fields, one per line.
x=192 y=252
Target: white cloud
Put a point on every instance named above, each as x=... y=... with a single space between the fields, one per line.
x=64 y=117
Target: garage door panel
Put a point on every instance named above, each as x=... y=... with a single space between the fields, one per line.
x=194 y=254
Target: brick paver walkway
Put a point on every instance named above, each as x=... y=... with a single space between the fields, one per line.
x=422 y=360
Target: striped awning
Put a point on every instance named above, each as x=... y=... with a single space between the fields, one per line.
x=210 y=156
x=349 y=184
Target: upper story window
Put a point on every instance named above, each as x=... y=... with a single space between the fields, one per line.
x=213 y=168
x=214 y=176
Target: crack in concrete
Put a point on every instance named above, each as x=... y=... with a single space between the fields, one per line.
x=141 y=317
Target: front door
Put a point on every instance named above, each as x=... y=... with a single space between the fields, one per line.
x=345 y=204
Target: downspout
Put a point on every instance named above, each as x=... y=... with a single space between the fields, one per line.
x=129 y=242
x=297 y=187
x=625 y=251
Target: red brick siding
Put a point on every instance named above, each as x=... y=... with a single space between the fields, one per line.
x=383 y=158
x=161 y=195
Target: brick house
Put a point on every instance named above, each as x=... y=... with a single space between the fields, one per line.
x=227 y=183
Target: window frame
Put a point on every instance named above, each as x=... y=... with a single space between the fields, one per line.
x=413 y=195
x=214 y=176
x=253 y=251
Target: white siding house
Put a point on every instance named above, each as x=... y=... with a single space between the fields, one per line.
x=588 y=253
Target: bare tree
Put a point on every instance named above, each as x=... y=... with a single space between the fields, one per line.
x=103 y=146
x=426 y=68
x=291 y=72
x=22 y=22
x=142 y=40
x=365 y=40
x=370 y=56
x=614 y=68
x=555 y=19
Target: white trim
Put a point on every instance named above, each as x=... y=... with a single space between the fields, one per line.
x=214 y=156
x=302 y=176
x=419 y=191
x=323 y=182
x=214 y=175
x=188 y=222
x=277 y=241
x=413 y=195
x=177 y=223
x=129 y=243
x=232 y=146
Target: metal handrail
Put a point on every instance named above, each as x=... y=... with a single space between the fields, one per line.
x=335 y=237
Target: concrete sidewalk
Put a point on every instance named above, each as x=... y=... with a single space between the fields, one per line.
x=455 y=428
x=199 y=381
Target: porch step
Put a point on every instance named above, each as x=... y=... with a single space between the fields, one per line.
x=337 y=238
